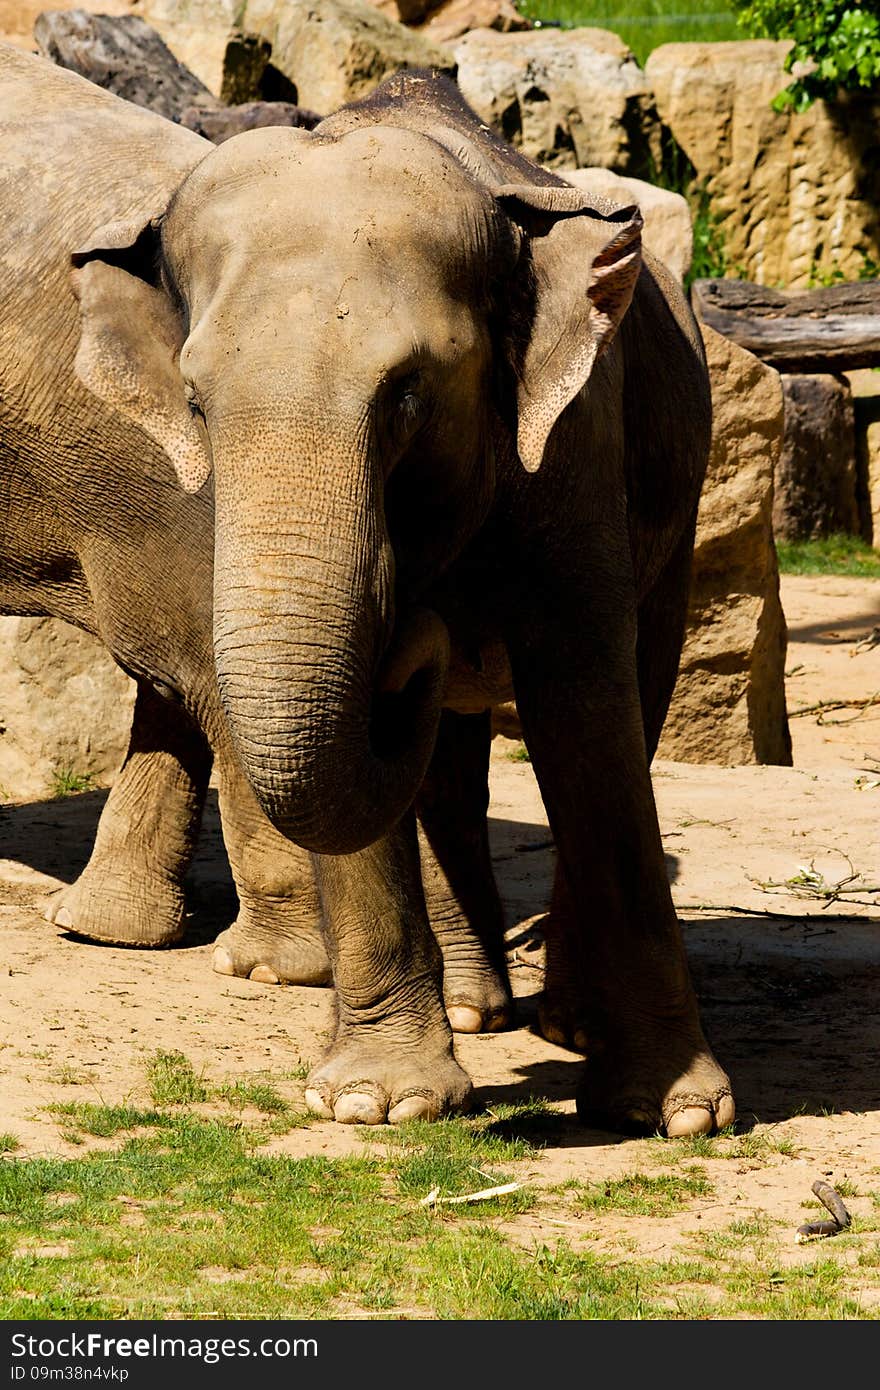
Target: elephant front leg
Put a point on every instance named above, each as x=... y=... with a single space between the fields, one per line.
x=392 y=1056
x=618 y=985
x=131 y=891
x=277 y=937
x=462 y=896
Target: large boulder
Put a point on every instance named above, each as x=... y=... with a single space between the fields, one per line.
x=668 y=231
x=444 y=20
x=568 y=98
x=319 y=55
x=795 y=194
x=728 y=706
x=65 y=707
x=815 y=482
x=123 y=54
x=865 y=387
x=197 y=32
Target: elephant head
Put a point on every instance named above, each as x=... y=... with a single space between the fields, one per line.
x=331 y=326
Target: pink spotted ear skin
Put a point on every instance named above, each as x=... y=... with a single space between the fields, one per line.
x=586 y=257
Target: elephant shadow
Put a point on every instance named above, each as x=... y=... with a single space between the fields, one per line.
x=55 y=838
x=790 y=1007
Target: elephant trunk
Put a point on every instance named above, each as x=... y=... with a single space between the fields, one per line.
x=333 y=708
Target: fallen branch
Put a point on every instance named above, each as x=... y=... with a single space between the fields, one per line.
x=822 y=705
x=434 y=1199
x=809 y=883
x=780 y=916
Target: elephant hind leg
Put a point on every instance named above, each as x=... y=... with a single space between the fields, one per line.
x=131 y=891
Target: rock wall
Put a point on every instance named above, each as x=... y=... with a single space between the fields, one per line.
x=64 y=704
x=568 y=98
x=728 y=706
x=794 y=193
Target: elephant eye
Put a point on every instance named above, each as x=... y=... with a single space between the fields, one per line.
x=409 y=404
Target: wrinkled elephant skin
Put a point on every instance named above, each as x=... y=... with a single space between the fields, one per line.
x=453 y=426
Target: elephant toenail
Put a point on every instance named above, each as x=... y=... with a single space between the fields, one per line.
x=356 y=1108
x=463 y=1019
x=317 y=1104
x=264 y=975
x=413 y=1108
x=221 y=961
x=692 y=1120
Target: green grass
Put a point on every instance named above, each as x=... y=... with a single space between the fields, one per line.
x=642 y=24
x=9 y=1143
x=171 y=1210
x=187 y=1213
x=173 y=1080
x=258 y=1095
x=519 y=754
x=66 y=782
x=840 y=554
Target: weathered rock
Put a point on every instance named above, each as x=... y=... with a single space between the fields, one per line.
x=452 y=18
x=668 y=230
x=339 y=50
x=568 y=98
x=328 y=53
x=197 y=32
x=64 y=705
x=122 y=54
x=865 y=387
x=729 y=701
x=219 y=123
x=795 y=193
x=815 y=482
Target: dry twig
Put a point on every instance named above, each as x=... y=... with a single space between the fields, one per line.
x=434 y=1199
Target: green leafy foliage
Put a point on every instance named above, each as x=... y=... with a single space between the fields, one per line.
x=837 y=40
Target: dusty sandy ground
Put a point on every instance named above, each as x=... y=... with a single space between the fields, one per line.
x=789 y=989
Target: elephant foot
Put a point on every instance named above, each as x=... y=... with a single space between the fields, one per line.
x=477 y=998
x=290 y=954
x=375 y=1082
x=121 y=907
x=561 y=1013
x=670 y=1084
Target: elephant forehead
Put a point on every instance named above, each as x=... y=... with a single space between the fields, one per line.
x=267 y=192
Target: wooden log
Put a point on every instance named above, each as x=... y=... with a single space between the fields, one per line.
x=123 y=54
x=835 y=329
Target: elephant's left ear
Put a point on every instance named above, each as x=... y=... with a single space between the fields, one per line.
x=130 y=340
x=584 y=263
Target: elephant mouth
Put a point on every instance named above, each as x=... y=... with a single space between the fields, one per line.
x=411 y=681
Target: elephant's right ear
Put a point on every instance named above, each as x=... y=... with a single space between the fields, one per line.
x=130 y=340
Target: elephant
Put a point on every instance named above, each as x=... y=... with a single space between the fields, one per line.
x=98 y=531
x=447 y=425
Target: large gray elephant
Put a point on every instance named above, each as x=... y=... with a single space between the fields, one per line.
x=455 y=426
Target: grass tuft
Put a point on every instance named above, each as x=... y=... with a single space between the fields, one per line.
x=173 y=1080
x=66 y=782
x=838 y=554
